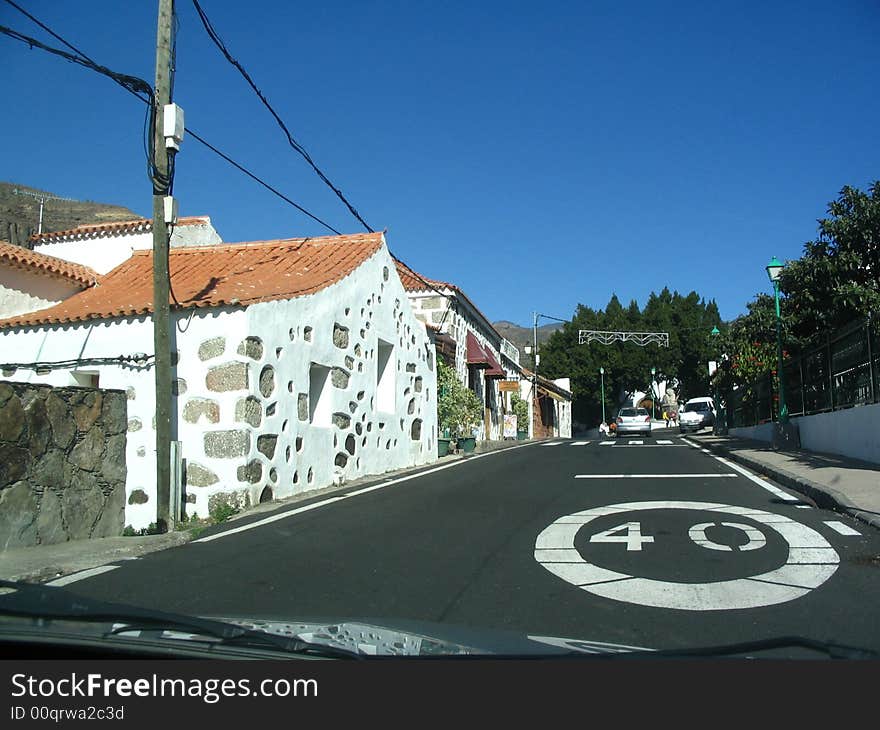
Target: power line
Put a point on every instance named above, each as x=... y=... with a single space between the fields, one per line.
x=142 y=89
x=139 y=88
x=209 y=28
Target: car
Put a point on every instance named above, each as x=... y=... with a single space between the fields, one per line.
x=633 y=420
x=696 y=414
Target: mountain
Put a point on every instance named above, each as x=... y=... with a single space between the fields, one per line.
x=522 y=336
x=20 y=213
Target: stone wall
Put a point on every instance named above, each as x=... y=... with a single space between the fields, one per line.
x=62 y=464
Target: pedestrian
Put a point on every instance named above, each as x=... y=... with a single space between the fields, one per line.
x=603 y=429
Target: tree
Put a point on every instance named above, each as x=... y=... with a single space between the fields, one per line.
x=687 y=319
x=837 y=280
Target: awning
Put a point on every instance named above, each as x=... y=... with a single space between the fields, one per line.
x=495 y=370
x=476 y=355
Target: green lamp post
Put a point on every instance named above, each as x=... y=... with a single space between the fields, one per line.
x=774 y=269
x=653 y=397
x=602 y=377
x=715 y=332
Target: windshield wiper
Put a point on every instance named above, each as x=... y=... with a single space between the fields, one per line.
x=829 y=649
x=46 y=602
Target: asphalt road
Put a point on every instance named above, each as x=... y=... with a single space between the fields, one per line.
x=639 y=541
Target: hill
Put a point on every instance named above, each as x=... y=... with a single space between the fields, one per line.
x=20 y=214
x=522 y=336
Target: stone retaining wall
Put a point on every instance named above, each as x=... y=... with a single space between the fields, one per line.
x=62 y=464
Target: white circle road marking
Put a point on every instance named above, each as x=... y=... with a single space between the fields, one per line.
x=698 y=534
x=810 y=562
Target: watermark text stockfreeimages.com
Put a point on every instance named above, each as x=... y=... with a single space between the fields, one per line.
x=97 y=685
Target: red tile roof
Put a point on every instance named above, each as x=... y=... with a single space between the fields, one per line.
x=413 y=281
x=102 y=230
x=209 y=276
x=27 y=260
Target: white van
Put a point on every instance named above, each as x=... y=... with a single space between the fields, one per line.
x=696 y=414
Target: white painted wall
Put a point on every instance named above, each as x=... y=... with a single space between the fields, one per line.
x=365 y=302
x=372 y=308
x=563 y=410
x=23 y=291
x=104 y=253
x=853 y=432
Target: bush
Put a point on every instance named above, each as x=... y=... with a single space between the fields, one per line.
x=521 y=411
x=459 y=410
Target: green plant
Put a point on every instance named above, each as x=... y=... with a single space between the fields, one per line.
x=459 y=410
x=521 y=411
x=222 y=511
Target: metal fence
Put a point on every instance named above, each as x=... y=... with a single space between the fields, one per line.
x=841 y=370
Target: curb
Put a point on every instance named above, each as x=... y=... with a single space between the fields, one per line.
x=822 y=495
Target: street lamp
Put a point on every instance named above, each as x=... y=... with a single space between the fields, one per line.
x=602 y=376
x=774 y=269
x=653 y=395
x=715 y=427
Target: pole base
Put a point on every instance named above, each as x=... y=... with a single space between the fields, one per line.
x=786 y=436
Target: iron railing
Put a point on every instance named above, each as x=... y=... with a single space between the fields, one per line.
x=840 y=370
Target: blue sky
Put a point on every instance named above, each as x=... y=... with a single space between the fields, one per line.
x=539 y=155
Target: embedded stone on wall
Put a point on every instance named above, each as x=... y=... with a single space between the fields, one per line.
x=339 y=378
x=198 y=409
x=251 y=347
x=212 y=348
x=252 y=472
x=340 y=336
x=266 y=445
x=199 y=476
x=267 y=381
x=227 y=444
x=226 y=377
x=249 y=410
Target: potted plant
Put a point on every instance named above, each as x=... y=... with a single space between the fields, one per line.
x=521 y=411
x=458 y=411
x=470 y=414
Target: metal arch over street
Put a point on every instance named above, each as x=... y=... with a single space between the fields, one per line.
x=639 y=338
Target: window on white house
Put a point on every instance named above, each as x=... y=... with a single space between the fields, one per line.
x=385 y=377
x=320 y=406
x=85 y=379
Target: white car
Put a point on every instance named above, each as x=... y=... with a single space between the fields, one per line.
x=697 y=413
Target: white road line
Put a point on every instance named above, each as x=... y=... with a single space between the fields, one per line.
x=315 y=505
x=580 y=443
x=748 y=475
x=637 y=443
x=606 y=443
x=841 y=528
x=665 y=443
x=555 y=443
x=651 y=476
x=82 y=575
x=803 y=506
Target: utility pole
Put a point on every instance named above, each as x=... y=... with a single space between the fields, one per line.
x=161 y=308
x=42 y=198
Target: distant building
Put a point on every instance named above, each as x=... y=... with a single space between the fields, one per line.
x=481 y=356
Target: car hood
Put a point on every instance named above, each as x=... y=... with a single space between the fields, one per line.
x=372 y=637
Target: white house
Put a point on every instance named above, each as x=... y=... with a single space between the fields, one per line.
x=549 y=405
x=470 y=341
x=30 y=280
x=103 y=246
x=297 y=363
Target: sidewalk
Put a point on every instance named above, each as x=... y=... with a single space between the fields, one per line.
x=45 y=563
x=832 y=482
